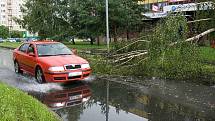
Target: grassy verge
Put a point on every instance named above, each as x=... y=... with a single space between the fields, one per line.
x=18 y=106
x=84 y=46
x=10 y=44
x=207 y=54
x=78 y=45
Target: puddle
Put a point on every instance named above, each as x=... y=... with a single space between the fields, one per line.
x=117 y=99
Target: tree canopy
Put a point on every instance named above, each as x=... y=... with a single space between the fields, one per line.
x=63 y=18
x=4 y=32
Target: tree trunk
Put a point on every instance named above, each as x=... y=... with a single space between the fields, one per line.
x=127 y=34
x=197 y=37
x=73 y=40
x=98 y=40
x=115 y=34
x=91 y=40
x=201 y=35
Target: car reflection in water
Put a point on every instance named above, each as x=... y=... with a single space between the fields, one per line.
x=73 y=94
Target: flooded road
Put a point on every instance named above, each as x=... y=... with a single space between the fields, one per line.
x=117 y=99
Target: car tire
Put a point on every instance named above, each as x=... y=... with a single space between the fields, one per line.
x=40 y=78
x=17 y=68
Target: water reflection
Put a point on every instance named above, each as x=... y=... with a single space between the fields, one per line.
x=112 y=101
x=71 y=95
x=154 y=106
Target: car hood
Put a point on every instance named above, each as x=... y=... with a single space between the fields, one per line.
x=62 y=60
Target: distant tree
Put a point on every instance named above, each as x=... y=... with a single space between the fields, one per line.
x=64 y=18
x=16 y=34
x=46 y=17
x=4 y=32
x=124 y=15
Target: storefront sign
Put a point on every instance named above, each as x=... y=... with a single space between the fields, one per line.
x=155 y=15
x=188 y=7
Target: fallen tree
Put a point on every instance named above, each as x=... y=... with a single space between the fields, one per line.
x=133 y=54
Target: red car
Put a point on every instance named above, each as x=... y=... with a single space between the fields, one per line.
x=50 y=61
x=68 y=97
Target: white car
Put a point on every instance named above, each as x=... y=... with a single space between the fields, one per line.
x=11 y=40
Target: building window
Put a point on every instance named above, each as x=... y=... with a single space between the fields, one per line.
x=2 y=5
x=2 y=10
x=3 y=16
x=3 y=22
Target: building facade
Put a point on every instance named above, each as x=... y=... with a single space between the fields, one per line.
x=10 y=9
x=156 y=9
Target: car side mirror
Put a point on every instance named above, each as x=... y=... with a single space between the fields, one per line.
x=74 y=51
x=31 y=54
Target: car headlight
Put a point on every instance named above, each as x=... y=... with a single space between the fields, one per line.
x=85 y=66
x=60 y=104
x=56 y=69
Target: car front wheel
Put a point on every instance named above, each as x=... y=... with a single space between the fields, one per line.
x=40 y=76
x=17 y=68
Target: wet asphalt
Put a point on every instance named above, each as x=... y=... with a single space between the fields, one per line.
x=106 y=98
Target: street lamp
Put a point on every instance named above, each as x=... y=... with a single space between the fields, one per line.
x=107 y=27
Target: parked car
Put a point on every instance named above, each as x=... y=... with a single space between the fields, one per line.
x=11 y=39
x=18 y=39
x=50 y=61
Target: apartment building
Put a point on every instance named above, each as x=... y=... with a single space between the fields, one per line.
x=8 y=10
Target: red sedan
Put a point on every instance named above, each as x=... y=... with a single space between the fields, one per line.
x=50 y=62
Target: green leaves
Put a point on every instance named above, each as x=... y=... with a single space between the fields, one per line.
x=179 y=61
x=64 y=18
x=4 y=32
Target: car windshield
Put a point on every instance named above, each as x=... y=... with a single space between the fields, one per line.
x=53 y=49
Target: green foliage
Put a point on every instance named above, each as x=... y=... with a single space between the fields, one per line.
x=200 y=14
x=207 y=54
x=16 y=34
x=16 y=105
x=59 y=19
x=4 y=32
x=179 y=60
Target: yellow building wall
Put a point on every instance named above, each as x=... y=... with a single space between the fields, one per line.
x=157 y=1
x=151 y=1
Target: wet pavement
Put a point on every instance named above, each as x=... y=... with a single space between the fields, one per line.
x=117 y=99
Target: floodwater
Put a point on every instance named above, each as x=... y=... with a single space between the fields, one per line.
x=117 y=98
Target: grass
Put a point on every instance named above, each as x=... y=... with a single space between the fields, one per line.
x=18 y=106
x=85 y=45
x=207 y=54
x=10 y=44
x=78 y=45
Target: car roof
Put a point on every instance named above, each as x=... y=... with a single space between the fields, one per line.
x=42 y=42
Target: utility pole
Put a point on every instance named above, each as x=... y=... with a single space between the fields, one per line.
x=107 y=101
x=107 y=27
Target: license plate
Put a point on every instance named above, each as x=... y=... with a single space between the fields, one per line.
x=75 y=97
x=75 y=74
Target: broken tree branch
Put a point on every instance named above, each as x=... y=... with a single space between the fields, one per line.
x=132 y=56
x=132 y=44
x=197 y=36
x=207 y=19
